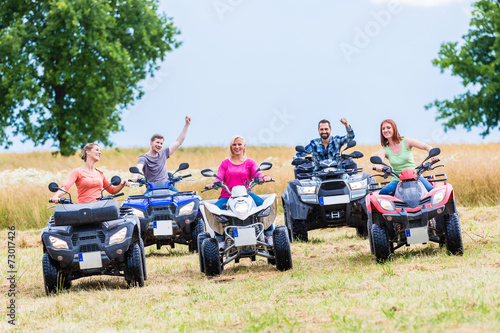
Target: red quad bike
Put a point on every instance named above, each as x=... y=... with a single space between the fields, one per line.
x=412 y=215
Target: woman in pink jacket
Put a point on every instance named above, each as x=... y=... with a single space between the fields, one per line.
x=234 y=171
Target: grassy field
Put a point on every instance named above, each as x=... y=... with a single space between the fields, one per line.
x=335 y=285
x=473 y=170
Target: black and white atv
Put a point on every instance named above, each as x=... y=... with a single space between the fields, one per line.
x=91 y=239
x=243 y=224
x=328 y=195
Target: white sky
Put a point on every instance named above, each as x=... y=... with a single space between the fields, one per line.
x=270 y=70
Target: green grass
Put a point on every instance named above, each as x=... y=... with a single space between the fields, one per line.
x=335 y=285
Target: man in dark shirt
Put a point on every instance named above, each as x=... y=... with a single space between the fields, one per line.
x=154 y=163
x=327 y=147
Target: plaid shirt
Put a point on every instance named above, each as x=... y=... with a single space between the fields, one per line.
x=319 y=152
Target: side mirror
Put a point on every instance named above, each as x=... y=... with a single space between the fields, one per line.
x=300 y=149
x=434 y=152
x=350 y=144
x=208 y=173
x=376 y=160
x=53 y=187
x=265 y=166
x=182 y=166
x=135 y=169
x=356 y=154
x=116 y=180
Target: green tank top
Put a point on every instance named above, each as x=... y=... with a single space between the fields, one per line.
x=401 y=161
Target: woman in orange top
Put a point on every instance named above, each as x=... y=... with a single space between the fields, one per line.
x=89 y=180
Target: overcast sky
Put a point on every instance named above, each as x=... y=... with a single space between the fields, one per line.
x=270 y=70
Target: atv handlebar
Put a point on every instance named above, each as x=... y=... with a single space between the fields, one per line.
x=110 y=196
x=62 y=201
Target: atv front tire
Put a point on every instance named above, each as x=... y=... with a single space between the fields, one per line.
x=211 y=258
x=282 y=251
x=134 y=274
x=53 y=280
x=381 y=245
x=454 y=243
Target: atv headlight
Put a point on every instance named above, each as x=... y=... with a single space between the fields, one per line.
x=305 y=190
x=241 y=208
x=358 y=185
x=186 y=209
x=438 y=197
x=265 y=212
x=118 y=236
x=58 y=243
x=137 y=212
x=386 y=204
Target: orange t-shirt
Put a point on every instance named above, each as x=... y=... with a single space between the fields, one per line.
x=88 y=186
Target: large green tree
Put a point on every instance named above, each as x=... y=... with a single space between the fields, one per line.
x=476 y=60
x=69 y=67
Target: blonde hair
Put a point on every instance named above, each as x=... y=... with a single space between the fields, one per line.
x=88 y=147
x=231 y=144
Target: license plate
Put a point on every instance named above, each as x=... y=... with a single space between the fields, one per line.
x=334 y=200
x=90 y=260
x=162 y=228
x=417 y=235
x=244 y=237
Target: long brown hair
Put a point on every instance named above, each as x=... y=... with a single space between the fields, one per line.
x=88 y=147
x=395 y=133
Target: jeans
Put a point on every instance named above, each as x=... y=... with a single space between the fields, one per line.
x=258 y=201
x=390 y=188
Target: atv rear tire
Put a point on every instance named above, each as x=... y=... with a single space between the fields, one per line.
x=201 y=237
x=454 y=242
x=193 y=243
x=134 y=272
x=143 y=257
x=381 y=245
x=211 y=258
x=282 y=251
x=299 y=228
x=53 y=280
x=362 y=232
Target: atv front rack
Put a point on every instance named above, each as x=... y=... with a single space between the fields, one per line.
x=432 y=178
x=329 y=173
x=142 y=196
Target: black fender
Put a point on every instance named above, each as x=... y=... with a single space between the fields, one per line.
x=298 y=209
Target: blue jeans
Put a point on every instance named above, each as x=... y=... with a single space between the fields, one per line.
x=258 y=201
x=390 y=188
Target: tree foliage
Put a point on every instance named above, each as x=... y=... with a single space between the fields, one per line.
x=476 y=61
x=68 y=67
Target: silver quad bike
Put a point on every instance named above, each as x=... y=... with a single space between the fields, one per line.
x=243 y=224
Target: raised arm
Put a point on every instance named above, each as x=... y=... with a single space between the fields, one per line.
x=177 y=143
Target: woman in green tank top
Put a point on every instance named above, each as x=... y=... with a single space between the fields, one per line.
x=398 y=150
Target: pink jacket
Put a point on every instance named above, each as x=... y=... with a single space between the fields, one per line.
x=233 y=175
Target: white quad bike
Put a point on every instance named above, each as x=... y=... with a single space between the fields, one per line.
x=243 y=224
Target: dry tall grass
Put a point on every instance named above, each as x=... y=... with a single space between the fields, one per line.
x=473 y=170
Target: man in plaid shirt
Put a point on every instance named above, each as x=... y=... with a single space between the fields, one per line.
x=327 y=147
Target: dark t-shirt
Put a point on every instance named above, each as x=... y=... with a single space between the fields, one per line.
x=155 y=168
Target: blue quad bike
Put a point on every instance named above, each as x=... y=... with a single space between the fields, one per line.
x=328 y=195
x=88 y=239
x=167 y=217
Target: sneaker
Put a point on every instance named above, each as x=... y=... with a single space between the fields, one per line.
x=221 y=245
x=269 y=240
